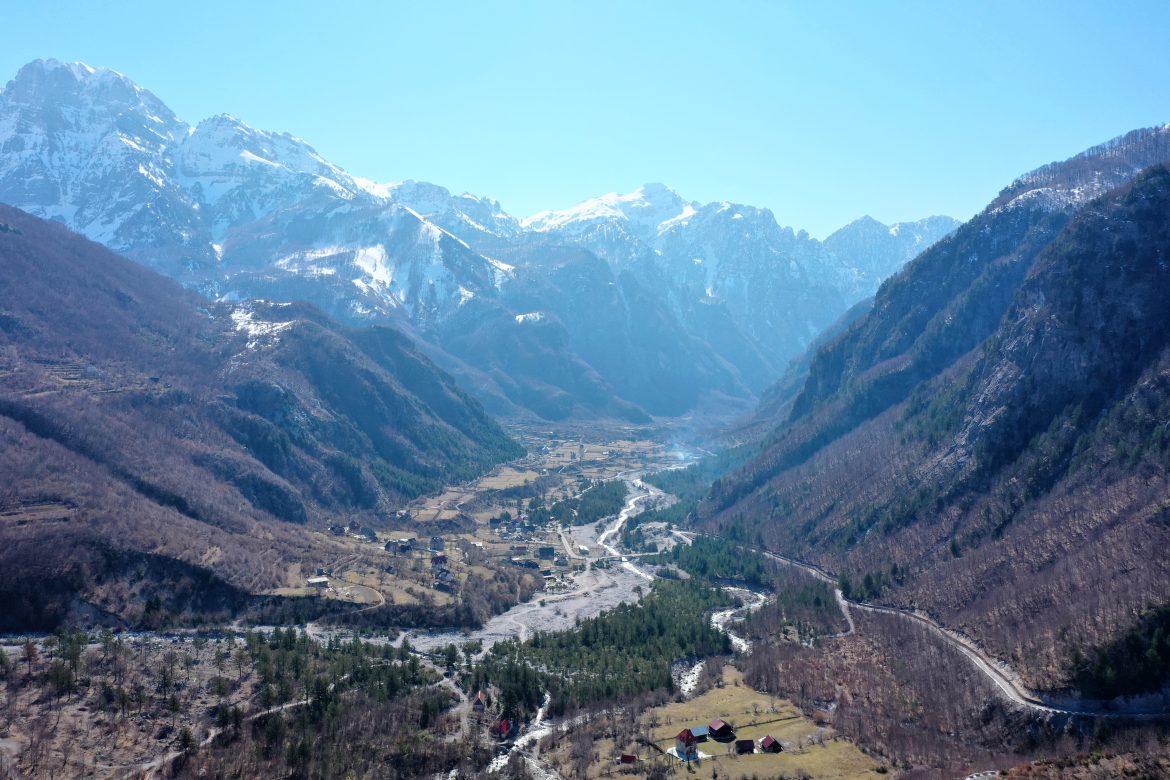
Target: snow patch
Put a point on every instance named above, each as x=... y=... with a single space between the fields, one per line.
x=255 y=158
x=372 y=260
x=532 y=316
x=257 y=330
x=152 y=177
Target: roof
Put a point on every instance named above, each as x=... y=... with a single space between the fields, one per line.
x=719 y=725
x=317 y=580
x=686 y=736
x=700 y=731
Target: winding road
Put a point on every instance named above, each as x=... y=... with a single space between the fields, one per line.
x=1005 y=679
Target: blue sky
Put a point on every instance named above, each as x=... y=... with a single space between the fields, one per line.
x=820 y=111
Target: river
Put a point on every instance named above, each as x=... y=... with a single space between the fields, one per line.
x=593 y=590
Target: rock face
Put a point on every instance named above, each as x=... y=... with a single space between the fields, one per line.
x=988 y=439
x=693 y=307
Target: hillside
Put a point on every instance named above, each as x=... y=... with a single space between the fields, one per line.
x=987 y=442
x=142 y=423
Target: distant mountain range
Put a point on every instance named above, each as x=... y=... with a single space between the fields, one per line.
x=988 y=439
x=623 y=306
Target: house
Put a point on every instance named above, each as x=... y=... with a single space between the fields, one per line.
x=503 y=729
x=481 y=702
x=745 y=747
x=628 y=759
x=686 y=747
x=701 y=733
x=446 y=587
x=721 y=731
x=318 y=582
x=770 y=744
x=546 y=553
x=438 y=561
x=369 y=533
x=337 y=530
x=437 y=543
x=520 y=549
x=405 y=546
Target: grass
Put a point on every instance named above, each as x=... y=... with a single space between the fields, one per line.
x=507 y=478
x=755 y=715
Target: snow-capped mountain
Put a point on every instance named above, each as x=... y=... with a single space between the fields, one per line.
x=89 y=148
x=870 y=252
x=592 y=310
x=783 y=285
x=238 y=174
x=465 y=216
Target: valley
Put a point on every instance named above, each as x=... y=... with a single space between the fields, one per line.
x=306 y=475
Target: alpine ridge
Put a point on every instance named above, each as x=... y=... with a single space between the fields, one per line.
x=716 y=296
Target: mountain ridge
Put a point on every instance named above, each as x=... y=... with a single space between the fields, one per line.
x=985 y=440
x=239 y=213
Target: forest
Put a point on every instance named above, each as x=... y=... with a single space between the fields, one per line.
x=598 y=500
x=584 y=666
x=713 y=558
x=250 y=704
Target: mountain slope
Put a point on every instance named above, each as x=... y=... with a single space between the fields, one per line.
x=145 y=420
x=986 y=442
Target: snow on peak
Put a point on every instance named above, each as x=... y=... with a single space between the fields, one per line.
x=459 y=215
x=643 y=210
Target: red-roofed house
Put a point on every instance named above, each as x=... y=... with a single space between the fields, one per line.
x=770 y=744
x=686 y=747
x=503 y=729
x=721 y=731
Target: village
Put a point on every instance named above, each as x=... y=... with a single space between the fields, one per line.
x=431 y=547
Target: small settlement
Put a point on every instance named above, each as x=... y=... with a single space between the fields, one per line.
x=687 y=742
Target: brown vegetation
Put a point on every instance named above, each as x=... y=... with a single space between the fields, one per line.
x=137 y=420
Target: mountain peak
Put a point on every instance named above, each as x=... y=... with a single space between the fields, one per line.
x=643 y=210
x=46 y=87
x=56 y=78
